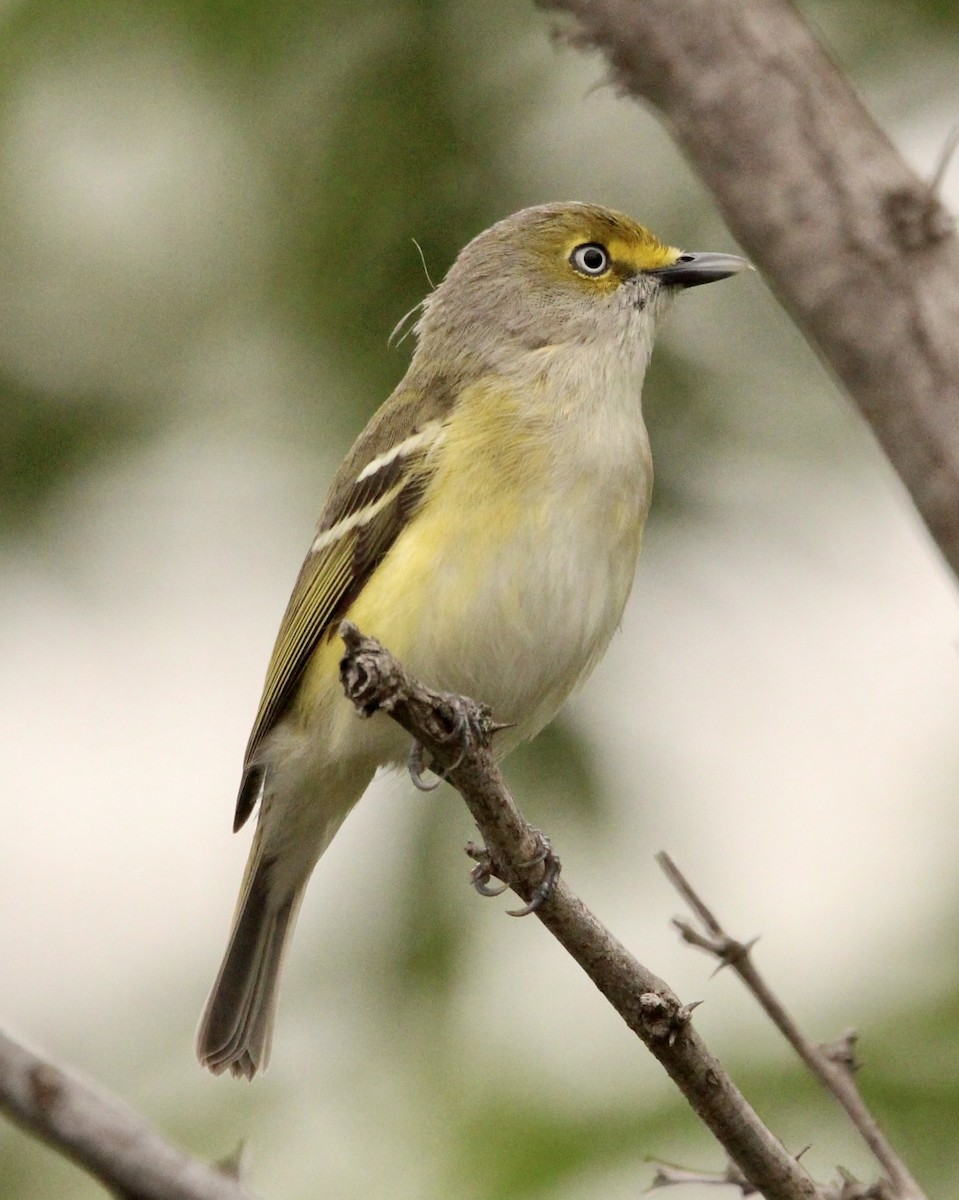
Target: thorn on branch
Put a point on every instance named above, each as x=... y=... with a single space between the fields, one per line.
x=234 y=1164
x=916 y=215
x=945 y=158
x=917 y=218
x=663 y=1017
x=670 y=1175
x=728 y=950
x=842 y=1051
x=46 y=1087
x=848 y=1187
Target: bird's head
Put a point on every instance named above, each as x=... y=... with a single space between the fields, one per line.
x=561 y=274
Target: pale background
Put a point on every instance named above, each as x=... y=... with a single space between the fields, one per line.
x=206 y=224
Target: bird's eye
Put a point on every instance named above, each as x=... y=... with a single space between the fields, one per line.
x=590 y=259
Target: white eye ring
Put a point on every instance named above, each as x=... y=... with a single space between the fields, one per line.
x=590 y=259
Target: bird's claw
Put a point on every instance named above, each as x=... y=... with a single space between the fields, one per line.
x=485 y=870
x=416 y=768
x=468 y=727
x=544 y=889
x=480 y=876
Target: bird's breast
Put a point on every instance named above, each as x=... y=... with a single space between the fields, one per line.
x=527 y=543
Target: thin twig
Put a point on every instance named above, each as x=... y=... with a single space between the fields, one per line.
x=833 y=1065
x=101 y=1134
x=671 y=1175
x=374 y=680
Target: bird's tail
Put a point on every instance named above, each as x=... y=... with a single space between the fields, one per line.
x=236 y=1028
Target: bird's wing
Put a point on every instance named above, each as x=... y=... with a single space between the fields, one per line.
x=374 y=495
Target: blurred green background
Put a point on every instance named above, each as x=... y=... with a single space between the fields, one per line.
x=207 y=214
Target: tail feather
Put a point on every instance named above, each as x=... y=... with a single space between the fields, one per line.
x=298 y=820
x=236 y=1028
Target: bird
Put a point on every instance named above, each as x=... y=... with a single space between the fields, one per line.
x=485 y=527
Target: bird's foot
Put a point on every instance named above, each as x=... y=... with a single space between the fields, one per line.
x=486 y=869
x=470 y=726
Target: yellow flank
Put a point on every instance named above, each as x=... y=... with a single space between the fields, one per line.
x=435 y=573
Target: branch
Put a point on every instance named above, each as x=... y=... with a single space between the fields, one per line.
x=670 y=1175
x=858 y=249
x=373 y=681
x=833 y=1065
x=103 y=1135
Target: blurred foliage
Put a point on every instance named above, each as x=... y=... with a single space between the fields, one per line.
x=373 y=125
x=46 y=440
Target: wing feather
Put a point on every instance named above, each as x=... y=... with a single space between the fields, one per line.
x=375 y=494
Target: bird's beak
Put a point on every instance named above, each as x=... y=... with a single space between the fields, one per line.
x=696 y=267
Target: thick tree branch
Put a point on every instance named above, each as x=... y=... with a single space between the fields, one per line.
x=101 y=1134
x=832 y=1065
x=858 y=249
x=374 y=681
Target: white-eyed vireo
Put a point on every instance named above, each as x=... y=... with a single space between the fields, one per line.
x=485 y=527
